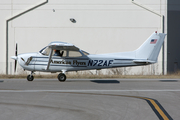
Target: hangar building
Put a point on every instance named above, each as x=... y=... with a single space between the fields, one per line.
x=102 y=26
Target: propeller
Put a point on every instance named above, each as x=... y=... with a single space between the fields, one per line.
x=15 y=57
x=15 y=64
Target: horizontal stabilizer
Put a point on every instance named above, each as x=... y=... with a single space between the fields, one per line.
x=144 y=61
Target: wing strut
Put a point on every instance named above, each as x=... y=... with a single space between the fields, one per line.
x=50 y=55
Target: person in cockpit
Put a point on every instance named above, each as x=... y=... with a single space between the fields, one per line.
x=57 y=53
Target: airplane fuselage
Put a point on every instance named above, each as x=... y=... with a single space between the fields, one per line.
x=39 y=62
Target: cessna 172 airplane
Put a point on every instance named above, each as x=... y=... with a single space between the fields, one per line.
x=63 y=57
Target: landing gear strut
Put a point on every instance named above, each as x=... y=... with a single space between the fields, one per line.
x=62 y=77
x=30 y=77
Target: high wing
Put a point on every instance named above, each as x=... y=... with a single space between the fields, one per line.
x=63 y=46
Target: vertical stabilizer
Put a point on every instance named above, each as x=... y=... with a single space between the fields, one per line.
x=150 y=49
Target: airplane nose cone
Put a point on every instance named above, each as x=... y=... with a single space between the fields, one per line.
x=14 y=57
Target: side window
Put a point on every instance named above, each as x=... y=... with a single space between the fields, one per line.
x=64 y=53
x=59 y=53
x=74 y=54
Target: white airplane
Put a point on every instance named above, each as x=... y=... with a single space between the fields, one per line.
x=63 y=57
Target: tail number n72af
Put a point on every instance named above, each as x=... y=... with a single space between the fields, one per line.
x=100 y=62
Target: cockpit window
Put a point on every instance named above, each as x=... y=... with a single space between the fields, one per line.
x=59 y=53
x=45 y=51
x=42 y=50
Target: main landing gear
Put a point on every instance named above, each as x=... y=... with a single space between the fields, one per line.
x=62 y=77
x=30 y=77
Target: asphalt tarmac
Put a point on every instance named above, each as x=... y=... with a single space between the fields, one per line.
x=90 y=99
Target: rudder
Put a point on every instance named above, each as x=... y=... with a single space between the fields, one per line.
x=150 y=49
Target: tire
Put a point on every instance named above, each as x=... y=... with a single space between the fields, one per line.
x=30 y=77
x=62 y=77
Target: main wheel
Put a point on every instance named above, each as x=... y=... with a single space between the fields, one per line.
x=30 y=77
x=62 y=77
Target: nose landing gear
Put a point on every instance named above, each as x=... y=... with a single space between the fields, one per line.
x=30 y=77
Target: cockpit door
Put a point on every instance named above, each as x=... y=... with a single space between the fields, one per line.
x=58 y=61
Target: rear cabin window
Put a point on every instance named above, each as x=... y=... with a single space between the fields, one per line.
x=85 y=53
x=74 y=54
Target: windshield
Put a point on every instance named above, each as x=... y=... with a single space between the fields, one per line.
x=45 y=51
x=42 y=50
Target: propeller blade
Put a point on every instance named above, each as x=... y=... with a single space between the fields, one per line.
x=16 y=50
x=15 y=64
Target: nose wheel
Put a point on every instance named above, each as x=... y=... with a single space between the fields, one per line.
x=62 y=77
x=30 y=77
